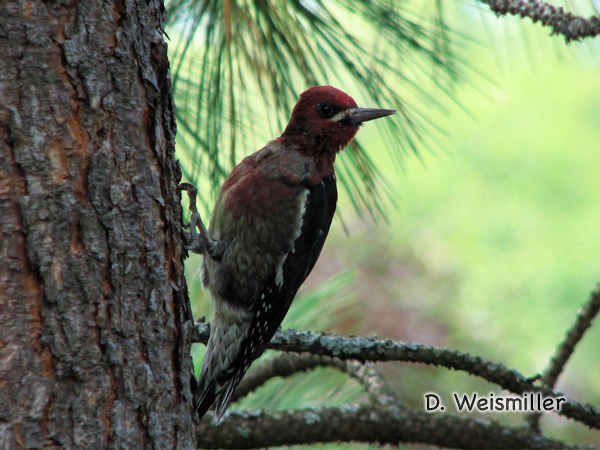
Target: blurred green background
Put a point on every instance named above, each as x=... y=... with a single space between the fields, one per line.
x=491 y=241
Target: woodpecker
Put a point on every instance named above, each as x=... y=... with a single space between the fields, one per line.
x=266 y=232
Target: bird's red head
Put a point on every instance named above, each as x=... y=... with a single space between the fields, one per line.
x=325 y=119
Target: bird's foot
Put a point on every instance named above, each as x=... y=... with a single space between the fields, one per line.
x=199 y=242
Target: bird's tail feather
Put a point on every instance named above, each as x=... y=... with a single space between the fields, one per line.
x=220 y=390
x=206 y=399
x=220 y=372
x=226 y=394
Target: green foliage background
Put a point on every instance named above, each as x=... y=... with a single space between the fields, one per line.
x=491 y=241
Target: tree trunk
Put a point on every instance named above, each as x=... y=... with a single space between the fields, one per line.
x=94 y=313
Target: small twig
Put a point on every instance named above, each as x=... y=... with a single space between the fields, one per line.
x=583 y=321
x=284 y=365
x=572 y=27
x=288 y=364
x=377 y=388
x=370 y=349
x=369 y=424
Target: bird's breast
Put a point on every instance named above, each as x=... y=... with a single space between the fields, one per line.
x=255 y=198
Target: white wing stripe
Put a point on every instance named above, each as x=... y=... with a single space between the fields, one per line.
x=302 y=201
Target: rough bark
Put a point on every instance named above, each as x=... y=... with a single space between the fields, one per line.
x=94 y=314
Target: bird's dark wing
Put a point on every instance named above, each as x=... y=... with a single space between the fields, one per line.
x=320 y=207
x=274 y=302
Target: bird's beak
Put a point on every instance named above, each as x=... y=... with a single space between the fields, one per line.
x=356 y=116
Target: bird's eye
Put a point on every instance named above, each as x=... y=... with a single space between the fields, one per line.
x=326 y=110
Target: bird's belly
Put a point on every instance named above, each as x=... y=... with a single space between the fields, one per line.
x=256 y=253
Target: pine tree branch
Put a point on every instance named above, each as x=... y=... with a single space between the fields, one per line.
x=564 y=351
x=252 y=429
x=370 y=349
x=572 y=27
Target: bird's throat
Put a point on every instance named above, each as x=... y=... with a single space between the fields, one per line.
x=324 y=164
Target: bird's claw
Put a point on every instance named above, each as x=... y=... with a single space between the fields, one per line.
x=193 y=244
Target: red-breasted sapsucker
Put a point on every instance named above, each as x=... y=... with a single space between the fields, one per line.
x=267 y=229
